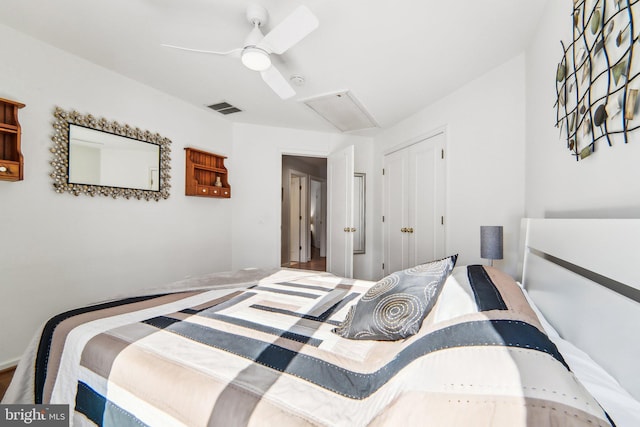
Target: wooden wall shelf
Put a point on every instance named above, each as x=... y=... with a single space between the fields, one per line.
x=203 y=170
x=11 y=161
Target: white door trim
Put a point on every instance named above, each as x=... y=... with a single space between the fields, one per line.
x=414 y=140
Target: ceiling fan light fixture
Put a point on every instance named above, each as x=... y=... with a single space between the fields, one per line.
x=256 y=59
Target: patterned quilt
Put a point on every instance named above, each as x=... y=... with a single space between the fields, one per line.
x=263 y=354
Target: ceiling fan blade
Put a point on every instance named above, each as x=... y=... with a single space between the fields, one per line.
x=287 y=33
x=277 y=82
x=233 y=52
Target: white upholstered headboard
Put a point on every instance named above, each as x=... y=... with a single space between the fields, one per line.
x=584 y=275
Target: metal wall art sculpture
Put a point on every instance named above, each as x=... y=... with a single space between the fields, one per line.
x=597 y=94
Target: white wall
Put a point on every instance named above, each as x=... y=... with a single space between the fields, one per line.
x=256 y=187
x=607 y=183
x=59 y=251
x=54 y=262
x=485 y=126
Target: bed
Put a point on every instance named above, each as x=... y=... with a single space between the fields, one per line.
x=268 y=347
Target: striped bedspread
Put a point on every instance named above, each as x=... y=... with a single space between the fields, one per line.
x=264 y=354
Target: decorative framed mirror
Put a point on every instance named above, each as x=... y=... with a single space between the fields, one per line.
x=94 y=156
x=359 y=188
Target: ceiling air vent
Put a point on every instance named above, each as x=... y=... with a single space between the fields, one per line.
x=224 y=108
x=343 y=111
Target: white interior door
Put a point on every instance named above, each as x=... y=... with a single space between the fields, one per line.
x=340 y=170
x=426 y=201
x=314 y=197
x=395 y=215
x=305 y=231
x=323 y=229
x=294 y=219
x=315 y=215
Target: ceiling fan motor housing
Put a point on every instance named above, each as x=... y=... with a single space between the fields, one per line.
x=253 y=57
x=254 y=37
x=257 y=14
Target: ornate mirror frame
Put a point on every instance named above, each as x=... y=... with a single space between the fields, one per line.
x=60 y=162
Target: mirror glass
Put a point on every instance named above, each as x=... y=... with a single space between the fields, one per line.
x=358 y=213
x=106 y=159
x=94 y=156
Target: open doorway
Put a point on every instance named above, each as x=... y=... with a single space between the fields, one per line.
x=304 y=212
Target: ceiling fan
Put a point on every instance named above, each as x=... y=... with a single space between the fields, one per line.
x=257 y=48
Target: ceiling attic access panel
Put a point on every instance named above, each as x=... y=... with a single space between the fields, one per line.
x=206 y=175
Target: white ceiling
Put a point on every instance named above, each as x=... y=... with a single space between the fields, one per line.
x=395 y=56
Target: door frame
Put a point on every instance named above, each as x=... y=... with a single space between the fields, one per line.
x=309 y=153
x=284 y=234
x=414 y=140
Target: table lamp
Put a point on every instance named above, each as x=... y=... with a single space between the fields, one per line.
x=491 y=242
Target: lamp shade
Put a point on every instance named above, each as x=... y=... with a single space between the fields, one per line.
x=491 y=241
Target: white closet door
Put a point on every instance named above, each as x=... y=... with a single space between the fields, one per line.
x=395 y=215
x=426 y=201
x=414 y=201
x=340 y=170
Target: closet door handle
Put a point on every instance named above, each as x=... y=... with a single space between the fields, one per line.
x=353 y=230
x=403 y=229
x=410 y=230
x=346 y=229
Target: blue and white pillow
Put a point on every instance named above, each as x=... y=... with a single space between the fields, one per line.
x=394 y=308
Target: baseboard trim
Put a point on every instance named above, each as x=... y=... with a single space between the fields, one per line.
x=9 y=364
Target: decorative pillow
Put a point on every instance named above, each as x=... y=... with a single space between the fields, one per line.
x=395 y=307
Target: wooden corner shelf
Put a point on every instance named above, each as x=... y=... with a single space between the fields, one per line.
x=11 y=161
x=206 y=175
